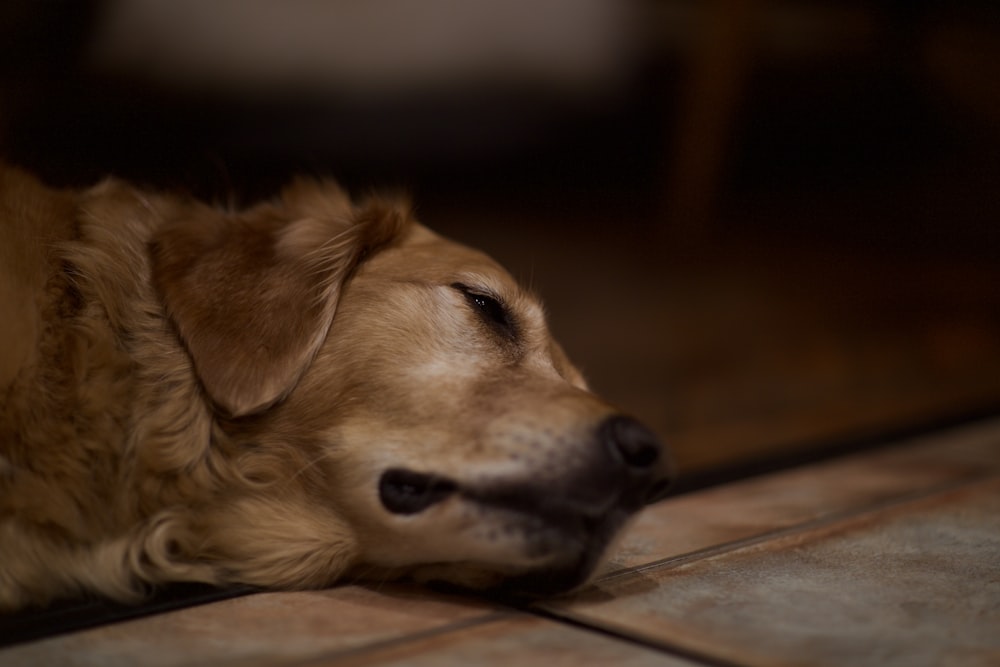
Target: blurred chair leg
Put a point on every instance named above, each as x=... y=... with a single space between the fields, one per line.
x=721 y=62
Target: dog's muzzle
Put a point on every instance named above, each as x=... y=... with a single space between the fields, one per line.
x=564 y=513
x=629 y=468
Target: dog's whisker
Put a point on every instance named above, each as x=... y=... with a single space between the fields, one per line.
x=305 y=467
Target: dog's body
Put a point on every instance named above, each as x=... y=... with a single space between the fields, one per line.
x=285 y=396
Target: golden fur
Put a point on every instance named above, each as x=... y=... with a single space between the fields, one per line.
x=193 y=394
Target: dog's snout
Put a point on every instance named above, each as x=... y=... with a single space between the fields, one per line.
x=407 y=492
x=637 y=449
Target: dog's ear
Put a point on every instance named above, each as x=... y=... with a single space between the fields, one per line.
x=252 y=295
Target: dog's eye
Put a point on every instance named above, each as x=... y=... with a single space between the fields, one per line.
x=490 y=308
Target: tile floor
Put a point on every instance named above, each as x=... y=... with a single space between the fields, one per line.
x=888 y=557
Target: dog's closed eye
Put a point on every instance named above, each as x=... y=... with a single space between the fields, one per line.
x=491 y=309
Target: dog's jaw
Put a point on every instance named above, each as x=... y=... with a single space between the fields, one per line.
x=515 y=555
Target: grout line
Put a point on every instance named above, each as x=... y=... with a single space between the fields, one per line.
x=394 y=642
x=793 y=529
x=68 y=616
x=570 y=619
x=567 y=616
x=635 y=639
x=22 y=628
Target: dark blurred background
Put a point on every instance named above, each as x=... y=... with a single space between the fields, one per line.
x=761 y=226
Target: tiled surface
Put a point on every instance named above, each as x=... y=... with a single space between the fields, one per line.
x=764 y=504
x=890 y=557
x=917 y=584
x=518 y=640
x=264 y=629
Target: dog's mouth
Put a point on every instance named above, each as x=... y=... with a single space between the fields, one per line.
x=560 y=537
x=555 y=558
x=570 y=553
x=537 y=532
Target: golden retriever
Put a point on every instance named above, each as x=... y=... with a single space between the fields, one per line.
x=286 y=396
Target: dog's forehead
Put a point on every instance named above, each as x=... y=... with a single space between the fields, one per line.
x=424 y=256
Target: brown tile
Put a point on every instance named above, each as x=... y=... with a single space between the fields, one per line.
x=264 y=629
x=914 y=584
x=517 y=640
x=773 y=502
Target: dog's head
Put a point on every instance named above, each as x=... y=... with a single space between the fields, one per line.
x=415 y=386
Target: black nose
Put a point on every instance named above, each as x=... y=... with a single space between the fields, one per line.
x=636 y=448
x=406 y=492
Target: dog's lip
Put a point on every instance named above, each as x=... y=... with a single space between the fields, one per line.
x=545 y=578
x=549 y=502
x=553 y=549
x=562 y=543
x=548 y=581
x=560 y=537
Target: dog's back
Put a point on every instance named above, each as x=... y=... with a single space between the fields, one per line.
x=36 y=353
x=67 y=386
x=47 y=346
x=33 y=220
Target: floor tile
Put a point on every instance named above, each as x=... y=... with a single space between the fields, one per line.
x=261 y=630
x=914 y=584
x=773 y=502
x=518 y=640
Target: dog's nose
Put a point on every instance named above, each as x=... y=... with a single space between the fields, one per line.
x=638 y=450
x=630 y=442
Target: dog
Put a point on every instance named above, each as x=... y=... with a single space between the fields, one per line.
x=305 y=391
